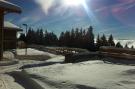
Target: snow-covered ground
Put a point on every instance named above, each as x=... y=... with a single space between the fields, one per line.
x=53 y=74
x=31 y=51
x=85 y=75
x=8 y=82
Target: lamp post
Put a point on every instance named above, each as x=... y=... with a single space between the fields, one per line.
x=26 y=25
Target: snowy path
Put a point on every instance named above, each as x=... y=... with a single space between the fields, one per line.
x=11 y=77
x=3 y=84
x=24 y=80
x=56 y=60
x=7 y=82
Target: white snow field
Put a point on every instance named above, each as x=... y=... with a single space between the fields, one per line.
x=53 y=74
x=85 y=75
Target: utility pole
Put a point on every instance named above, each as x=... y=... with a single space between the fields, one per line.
x=26 y=25
x=1 y=33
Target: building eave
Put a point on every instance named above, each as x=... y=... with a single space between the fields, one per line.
x=16 y=29
x=9 y=7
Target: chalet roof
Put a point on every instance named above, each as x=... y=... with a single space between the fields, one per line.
x=9 y=7
x=9 y=25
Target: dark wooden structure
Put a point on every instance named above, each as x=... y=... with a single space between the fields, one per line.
x=5 y=7
x=118 y=53
x=10 y=35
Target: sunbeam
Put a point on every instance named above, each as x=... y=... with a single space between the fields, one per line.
x=90 y=14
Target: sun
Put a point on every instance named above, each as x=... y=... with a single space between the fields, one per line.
x=73 y=2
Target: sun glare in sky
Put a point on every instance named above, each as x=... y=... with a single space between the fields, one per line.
x=106 y=16
x=73 y=2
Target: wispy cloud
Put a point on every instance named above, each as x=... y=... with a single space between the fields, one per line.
x=130 y=6
x=58 y=7
x=32 y=17
x=24 y=19
x=125 y=5
x=45 y=5
x=110 y=29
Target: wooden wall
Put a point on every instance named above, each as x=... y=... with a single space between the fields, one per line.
x=10 y=39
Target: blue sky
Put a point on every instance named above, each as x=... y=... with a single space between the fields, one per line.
x=115 y=17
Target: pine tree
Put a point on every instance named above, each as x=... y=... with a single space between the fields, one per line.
x=80 y=45
x=61 y=39
x=104 y=41
x=90 y=31
x=29 y=36
x=22 y=37
x=41 y=37
x=77 y=39
x=118 y=45
x=132 y=47
x=37 y=36
x=67 y=38
x=34 y=37
x=111 y=41
x=84 y=40
x=53 y=39
x=98 y=42
x=89 y=37
x=126 y=46
x=45 y=39
x=72 y=38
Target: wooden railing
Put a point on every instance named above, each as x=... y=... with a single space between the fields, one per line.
x=122 y=53
x=59 y=50
x=66 y=50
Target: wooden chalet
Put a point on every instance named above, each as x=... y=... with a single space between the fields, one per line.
x=5 y=8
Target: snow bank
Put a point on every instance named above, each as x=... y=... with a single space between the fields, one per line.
x=92 y=73
x=8 y=55
x=31 y=51
x=58 y=58
x=7 y=82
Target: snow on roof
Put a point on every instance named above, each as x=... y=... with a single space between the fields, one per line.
x=7 y=6
x=9 y=25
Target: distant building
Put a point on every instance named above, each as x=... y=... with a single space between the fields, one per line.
x=10 y=35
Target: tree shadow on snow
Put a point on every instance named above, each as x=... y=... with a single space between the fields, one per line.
x=119 y=61
x=84 y=87
x=39 y=65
